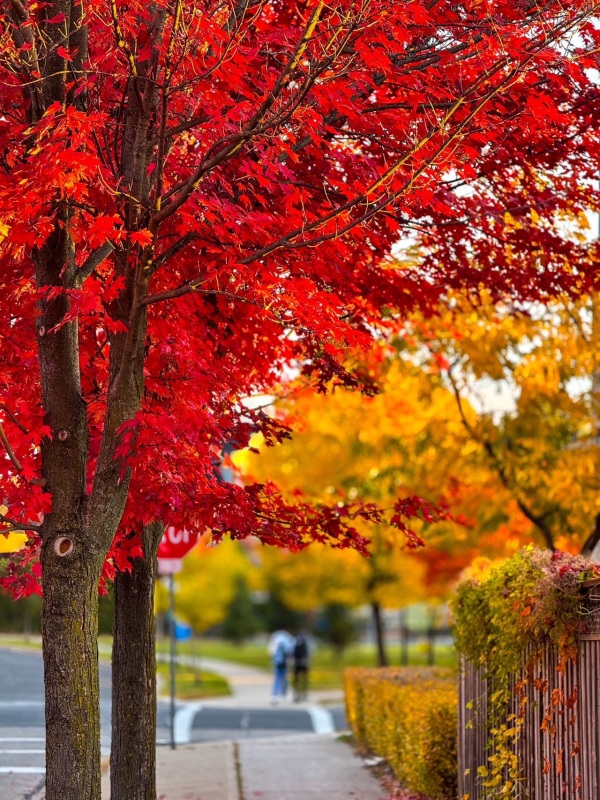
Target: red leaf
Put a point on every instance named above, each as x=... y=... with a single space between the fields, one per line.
x=64 y=53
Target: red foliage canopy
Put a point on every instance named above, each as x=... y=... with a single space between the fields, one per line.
x=198 y=195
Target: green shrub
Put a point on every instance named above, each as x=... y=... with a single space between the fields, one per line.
x=409 y=717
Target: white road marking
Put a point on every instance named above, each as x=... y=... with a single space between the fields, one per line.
x=21 y=704
x=184 y=719
x=322 y=719
x=22 y=739
x=23 y=770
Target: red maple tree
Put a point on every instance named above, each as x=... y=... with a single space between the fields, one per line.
x=198 y=195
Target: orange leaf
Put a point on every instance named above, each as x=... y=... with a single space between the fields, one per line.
x=142 y=237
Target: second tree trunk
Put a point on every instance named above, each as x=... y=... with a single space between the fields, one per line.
x=133 y=747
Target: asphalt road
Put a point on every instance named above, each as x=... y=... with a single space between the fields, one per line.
x=22 y=722
x=22 y=738
x=213 y=723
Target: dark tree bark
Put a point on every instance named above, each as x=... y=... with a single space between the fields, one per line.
x=431 y=635
x=382 y=658
x=78 y=533
x=592 y=540
x=73 y=551
x=70 y=636
x=404 y=633
x=133 y=747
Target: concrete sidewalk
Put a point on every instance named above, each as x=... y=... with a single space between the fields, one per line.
x=292 y=767
x=299 y=767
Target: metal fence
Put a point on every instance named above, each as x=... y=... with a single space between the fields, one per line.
x=559 y=760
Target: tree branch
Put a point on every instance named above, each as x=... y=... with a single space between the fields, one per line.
x=9 y=413
x=18 y=526
x=363 y=199
x=11 y=453
x=93 y=260
x=484 y=441
x=237 y=141
x=170 y=252
x=593 y=539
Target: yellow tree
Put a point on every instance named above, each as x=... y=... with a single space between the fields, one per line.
x=320 y=576
x=408 y=439
x=205 y=588
x=543 y=443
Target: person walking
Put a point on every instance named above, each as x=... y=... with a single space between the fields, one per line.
x=301 y=655
x=281 y=646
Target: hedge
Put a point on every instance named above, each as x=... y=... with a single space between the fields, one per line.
x=409 y=717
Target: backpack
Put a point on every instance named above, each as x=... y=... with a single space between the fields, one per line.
x=280 y=655
x=301 y=650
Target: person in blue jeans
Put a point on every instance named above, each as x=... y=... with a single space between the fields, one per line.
x=280 y=647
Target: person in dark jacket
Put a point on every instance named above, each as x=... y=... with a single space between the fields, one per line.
x=301 y=656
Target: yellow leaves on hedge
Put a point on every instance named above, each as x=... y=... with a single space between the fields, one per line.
x=480 y=569
x=409 y=717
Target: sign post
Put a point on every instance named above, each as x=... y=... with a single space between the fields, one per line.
x=174 y=545
x=172 y=656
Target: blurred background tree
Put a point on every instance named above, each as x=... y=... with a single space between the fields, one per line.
x=526 y=384
x=408 y=439
x=242 y=620
x=209 y=583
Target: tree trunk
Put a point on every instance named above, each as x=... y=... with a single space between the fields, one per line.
x=403 y=639
x=382 y=658
x=70 y=646
x=431 y=645
x=133 y=747
x=592 y=540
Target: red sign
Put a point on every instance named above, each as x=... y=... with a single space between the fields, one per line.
x=175 y=543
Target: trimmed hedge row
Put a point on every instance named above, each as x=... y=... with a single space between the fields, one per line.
x=409 y=717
